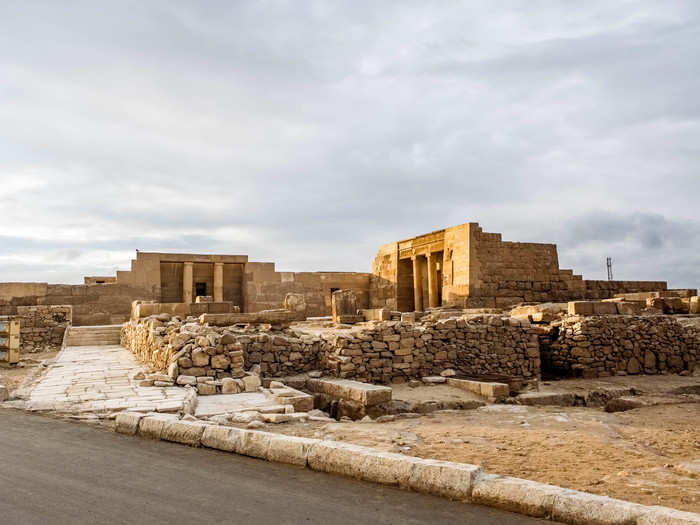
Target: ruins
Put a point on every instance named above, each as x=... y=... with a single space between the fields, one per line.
x=446 y=323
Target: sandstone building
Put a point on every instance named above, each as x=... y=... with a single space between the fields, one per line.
x=461 y=265
x=465 y=266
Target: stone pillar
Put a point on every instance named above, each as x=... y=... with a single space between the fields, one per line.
x=187 y=282
x=432 y=280
x=218 y=282
x=417 y=285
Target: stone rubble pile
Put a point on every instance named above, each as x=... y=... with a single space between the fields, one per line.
x=600 y=346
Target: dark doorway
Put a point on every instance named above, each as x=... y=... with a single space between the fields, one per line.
x=200 y=289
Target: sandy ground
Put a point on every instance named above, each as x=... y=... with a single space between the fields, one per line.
x=649 y=455
x=28 y=368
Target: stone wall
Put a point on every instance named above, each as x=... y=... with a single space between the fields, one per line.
x=93 y=304
x=473 y=346
x=42 y=327
x=265 y=289
x=600 y=346
x=378 y=352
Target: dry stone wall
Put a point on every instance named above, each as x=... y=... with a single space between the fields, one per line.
x=475 y=346
x=42 y=327
x=380 y=352
x=600 y=346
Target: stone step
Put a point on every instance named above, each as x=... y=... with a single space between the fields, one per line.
x=93 y=335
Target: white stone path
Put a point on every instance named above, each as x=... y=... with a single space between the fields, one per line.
x=96 y=380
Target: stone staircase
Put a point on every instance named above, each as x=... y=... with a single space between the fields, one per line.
x=93 y=335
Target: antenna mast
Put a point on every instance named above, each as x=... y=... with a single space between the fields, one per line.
x=608 y=262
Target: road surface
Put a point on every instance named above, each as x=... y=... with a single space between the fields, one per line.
x=60 y=472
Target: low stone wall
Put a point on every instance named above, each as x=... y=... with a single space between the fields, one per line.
x=471 y=345
x=382 y=352
x=600 y=346
x=42 y=327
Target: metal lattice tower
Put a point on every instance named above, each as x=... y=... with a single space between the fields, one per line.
x=608 y=262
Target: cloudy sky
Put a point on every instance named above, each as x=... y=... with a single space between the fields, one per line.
x=310 y=133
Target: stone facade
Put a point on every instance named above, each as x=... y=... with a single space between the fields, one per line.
x=465 y=266
x=599 y=346
x=42 y=327
x=458 y=266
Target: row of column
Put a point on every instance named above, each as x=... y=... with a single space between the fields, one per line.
x=187 y=282
x=418 y=281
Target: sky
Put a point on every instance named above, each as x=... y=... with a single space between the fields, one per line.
x=311 y=133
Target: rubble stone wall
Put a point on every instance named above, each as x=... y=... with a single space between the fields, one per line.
x=473 y=346
x=600 y=346
x=378 y=352
x=42 y=327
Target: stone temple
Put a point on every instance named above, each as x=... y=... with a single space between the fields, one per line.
x=459 y=266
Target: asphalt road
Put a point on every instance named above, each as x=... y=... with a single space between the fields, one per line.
x=60 y=472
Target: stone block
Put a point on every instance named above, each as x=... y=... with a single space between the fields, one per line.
x=581 y=508
x=185 y=432
x=603 y=308
x=252 y=383
x=206 y=389
x=443 y=478
x=255 y=444
x=227 y=439
x=363 y=393
x=580 y=308
x=229 y=386
x=516 y=495
x=343 y=302
x=152 y=426
x=694 y=305
x=289 y=449
x=128 y=423
x=628 y=308
x=360 y=462
x=565 y=399
x=664 y=516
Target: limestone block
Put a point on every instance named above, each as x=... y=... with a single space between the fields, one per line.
x=227 y=439
x=565 y=399
x=581 y=508
x=206 y=389
x=252 y=383
x=694 y=305
x=628 y=308
x=185 y=432
x=336 y=458
x=664 y=516
x=443 y=478
x=495 y=391
x=255 y=443
x=516 y=495
x=152 y=426
x=229 y=386
x=580 y=308
x=186 y=380
x=200 y=358
x=220 y=362
x=128 y=423
x=386 y=467
x=602 y=308
x=343 y=302
x=289 y=449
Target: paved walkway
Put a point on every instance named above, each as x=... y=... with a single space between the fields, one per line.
x=96 y=379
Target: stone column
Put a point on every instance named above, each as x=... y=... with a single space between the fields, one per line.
x=432 y=280
x=187 y=282
x=417 y=285
x=218 y=282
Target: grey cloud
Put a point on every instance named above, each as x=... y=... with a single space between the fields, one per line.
x=310 y=134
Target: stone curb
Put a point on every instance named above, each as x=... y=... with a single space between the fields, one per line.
x=457 y=481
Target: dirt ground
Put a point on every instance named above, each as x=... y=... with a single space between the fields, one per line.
x=28 y=368
x=649 y=455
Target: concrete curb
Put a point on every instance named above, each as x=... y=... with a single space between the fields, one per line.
x=458 y=481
